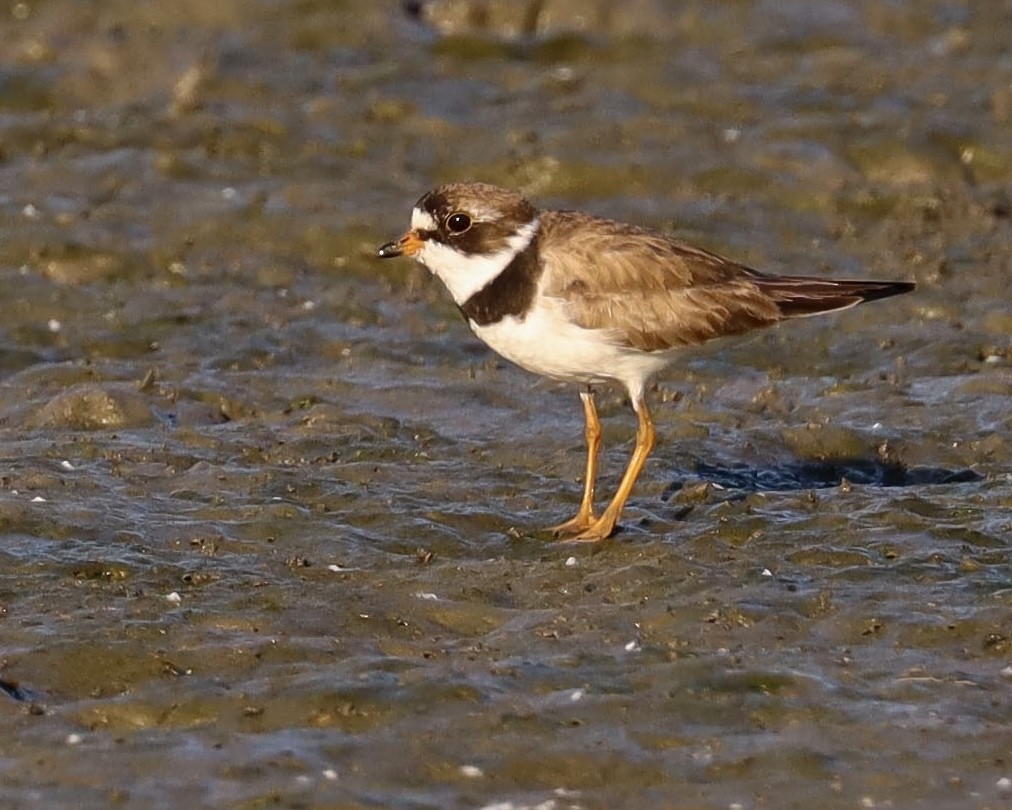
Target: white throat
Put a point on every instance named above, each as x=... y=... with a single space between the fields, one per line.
x=465 y=274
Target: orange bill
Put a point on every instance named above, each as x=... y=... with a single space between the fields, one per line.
x=407 y=245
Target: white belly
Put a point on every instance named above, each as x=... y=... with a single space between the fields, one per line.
x=547 y=343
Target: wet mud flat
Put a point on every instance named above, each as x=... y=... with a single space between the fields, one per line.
x=270 y=517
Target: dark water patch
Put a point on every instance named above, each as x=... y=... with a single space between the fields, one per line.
x=801 y=475
x=18 y=691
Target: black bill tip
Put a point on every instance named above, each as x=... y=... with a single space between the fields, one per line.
x=407 y=245
x=389 y=250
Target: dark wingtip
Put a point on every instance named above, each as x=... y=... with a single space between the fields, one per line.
x=885 y=289
x=801 y=296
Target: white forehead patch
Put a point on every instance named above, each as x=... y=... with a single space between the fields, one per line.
x=422 y=220
x=464 y=274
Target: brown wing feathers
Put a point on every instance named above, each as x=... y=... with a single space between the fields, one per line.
x=656 y=293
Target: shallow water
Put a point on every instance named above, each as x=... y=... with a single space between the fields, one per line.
x=270 y=517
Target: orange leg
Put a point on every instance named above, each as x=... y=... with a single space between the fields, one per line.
x=585 y=517
x=602 y=527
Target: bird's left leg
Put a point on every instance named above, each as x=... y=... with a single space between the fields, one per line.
x=592 y=431
x=604 y=526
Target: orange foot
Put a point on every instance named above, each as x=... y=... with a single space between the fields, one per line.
x=600 y=529
x=581 y=523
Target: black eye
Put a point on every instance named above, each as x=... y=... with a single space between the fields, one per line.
x=458 y=223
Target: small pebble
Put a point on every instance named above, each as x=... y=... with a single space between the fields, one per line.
x=38 y=499
x=576 y=695
x=66 y=465
x=428 y=597
x=330 y=775
x=74 y=739
x=53 y=325
x=632 y=646
x=174 y=598
x=571 y=561
x=1004 y=785
x=471 y=771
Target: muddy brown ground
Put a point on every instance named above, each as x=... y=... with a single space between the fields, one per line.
x=269 y=514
